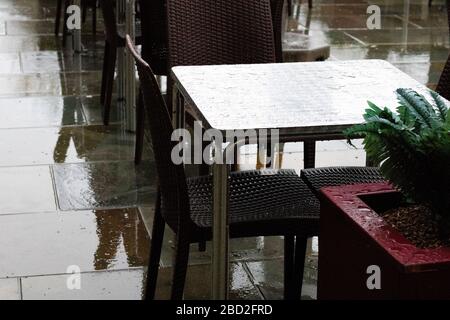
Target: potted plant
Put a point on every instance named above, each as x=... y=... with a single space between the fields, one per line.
x=392 y=240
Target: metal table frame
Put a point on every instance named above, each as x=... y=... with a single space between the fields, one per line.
x=220 y=172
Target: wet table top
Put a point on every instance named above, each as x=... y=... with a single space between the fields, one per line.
x=319 y=98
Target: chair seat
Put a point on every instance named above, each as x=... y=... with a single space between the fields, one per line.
x=298 y=47
x=318 y=178
x=258 y=197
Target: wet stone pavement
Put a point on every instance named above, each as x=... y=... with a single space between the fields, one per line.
x=71 y=196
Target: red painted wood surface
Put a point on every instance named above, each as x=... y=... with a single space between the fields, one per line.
x=353 y=236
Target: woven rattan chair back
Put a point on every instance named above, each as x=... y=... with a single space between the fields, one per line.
x=154 y=34
x=205 y=32
x=172 y=179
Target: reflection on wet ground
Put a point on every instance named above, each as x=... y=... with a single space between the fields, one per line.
x=93 y=240
x=104 y=184
x=71 y=195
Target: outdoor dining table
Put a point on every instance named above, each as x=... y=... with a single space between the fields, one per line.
x=305 y=101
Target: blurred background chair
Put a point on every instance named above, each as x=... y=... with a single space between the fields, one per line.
x=61 y=10
x=262 y=203
x=114 y=39
x=293 y=46
x=205 y=33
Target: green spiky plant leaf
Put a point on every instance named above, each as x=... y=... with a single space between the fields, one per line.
x=412 y=148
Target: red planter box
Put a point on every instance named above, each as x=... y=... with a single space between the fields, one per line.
x=353 y=237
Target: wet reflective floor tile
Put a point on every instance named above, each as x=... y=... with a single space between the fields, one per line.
x=93 y=110
x=105 y=184
x=430 y=21
x=26 y=189
x=256 y=248
x=30 y=11
x=105 y=285
x=45 y=84
x=425 y=73
x=34 y=146
x=394 y=53
x=437 y=36
x=325 y=158
x=82 y=83
x=10 y=289
x=334 y=37
x=414 y=8
x=198 y=283
x=9 y=63
x=331 y=22
x=28 y=43
x=292 y=147
x=29 y=112
x=66 y=84
x=26 y=3
x=241 y=249
x=267 y=277
x=42 y=27
x=240 y=285
x=53 y=243
x=22 y=28
x=196 y=257
x=54 y=61
x=336 y=9
x=328 y=153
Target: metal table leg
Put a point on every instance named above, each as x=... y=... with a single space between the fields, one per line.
x=309 y=154
x=220 y=233
x=220 y=211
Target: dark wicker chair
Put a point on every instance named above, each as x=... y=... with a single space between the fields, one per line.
x=296 y=47
x=114 y=39
x=205 y=32
x=262 y=203
x=154 y=50
x=318 y=178
x=154 y=34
